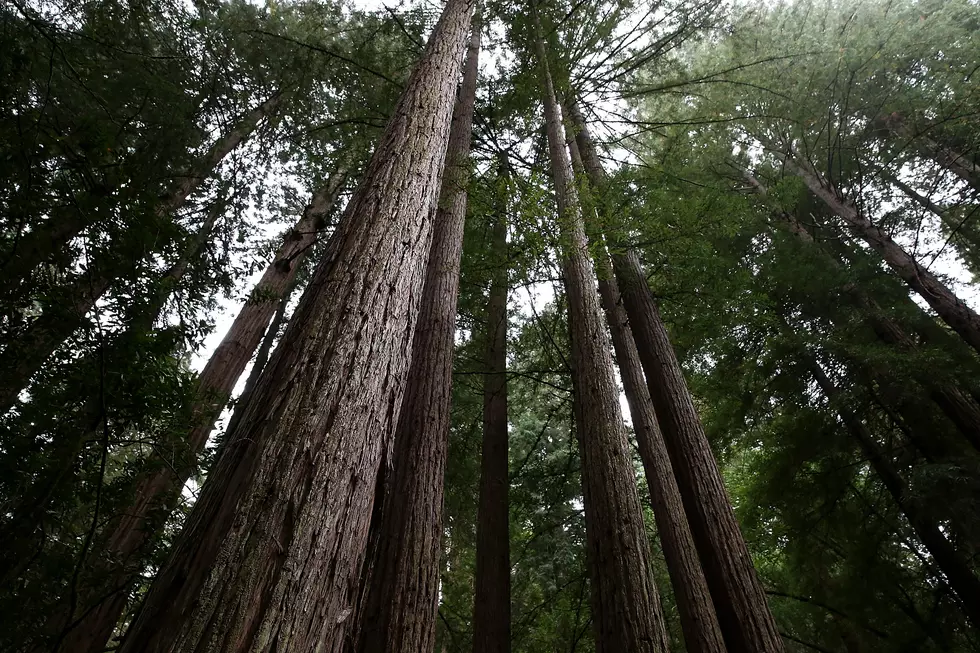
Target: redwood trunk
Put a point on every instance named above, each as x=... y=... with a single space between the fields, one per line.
x=398 y=613
x=491 y=610
x=702 y=634
x=156 y=494
x=271 y=556
x=625 y=603
x=740 y=602
x=24 y=355
x=954 y=566
x=950 y=308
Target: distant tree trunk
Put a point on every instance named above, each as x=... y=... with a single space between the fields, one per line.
x=957 y=406
x=954 y=566
x=491 y=608
x=24 y=355
x=702 y=634
x=398 y=612
x=270 y=559
x=964 y=233
x=625 y=603
x=953 y=161
x=950 y=308
x=32 y=502
x=157 y=492
x=739 y=600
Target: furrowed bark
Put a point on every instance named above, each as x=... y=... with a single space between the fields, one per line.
x=271 y=556
x=398 y=612
x=625 y=603
x=950 y=308
x=491 y=609
x=959 y=574
x=740 y=602
x=24 y=355
x=702 y=634
x=157 y=493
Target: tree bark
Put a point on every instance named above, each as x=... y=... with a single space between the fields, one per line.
x=950 y=308
x=157 y=492
x=271 y=555
x=740 y=602
x=491 y=609
x=625 y=603
x=959 y=574
x=702 y=634
x=24 y=355
x=398 y=612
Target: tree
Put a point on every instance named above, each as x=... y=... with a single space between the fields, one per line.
x=625 y=601
x=156 y=492
x=491 y=611
x=348 y=336
x=698 y=619
x=398 y=609
x=738 y=597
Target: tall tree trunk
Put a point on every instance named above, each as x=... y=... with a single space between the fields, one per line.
x=740 y=602
x=950 y=308
x=491 y=608
x=24 y=355
x=157 y=492
x=398 y=612
x=954 y=403
x=625 y=603
x=959 y=574
x=33 y=501
x=702 y=634
x=271 y=555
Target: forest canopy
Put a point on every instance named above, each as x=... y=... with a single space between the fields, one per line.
x=582 y=326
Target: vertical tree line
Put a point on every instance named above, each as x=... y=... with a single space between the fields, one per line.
x=586 y=326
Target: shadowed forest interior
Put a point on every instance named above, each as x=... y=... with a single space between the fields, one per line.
x=473 y=326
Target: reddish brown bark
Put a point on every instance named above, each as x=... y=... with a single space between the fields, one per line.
x=950 y=308
x=398 y=613
x=156 y=494
x=625 y=603
x=740 y=603
x=702 y=634
x=951 y=563
x=491 y=608
x=271 y=556
x=24 y=355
